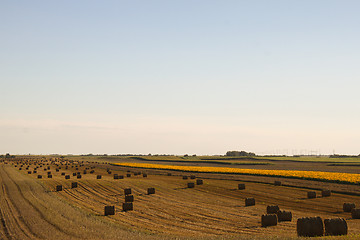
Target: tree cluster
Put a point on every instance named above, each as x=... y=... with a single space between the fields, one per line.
x=239 y=154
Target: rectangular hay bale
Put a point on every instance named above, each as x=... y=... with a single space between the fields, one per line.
x=150 y=191
x=129 y=198
x=249 y=201
x=127 y=206
x=127 y=191
x=109 y=210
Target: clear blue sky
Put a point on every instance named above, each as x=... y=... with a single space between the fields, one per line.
x=196 y=77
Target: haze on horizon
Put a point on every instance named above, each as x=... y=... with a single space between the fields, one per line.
x=184 y=77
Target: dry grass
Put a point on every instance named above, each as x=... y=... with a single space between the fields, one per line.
x=214 y=210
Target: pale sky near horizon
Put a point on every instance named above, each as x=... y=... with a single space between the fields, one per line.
x=179 y=77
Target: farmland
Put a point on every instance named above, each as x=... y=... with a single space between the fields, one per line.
x=311 y=175
x=31 y=208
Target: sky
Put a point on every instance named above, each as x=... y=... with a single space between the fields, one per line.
x=179 y=77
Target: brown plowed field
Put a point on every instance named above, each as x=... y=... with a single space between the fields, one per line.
x=32 y=209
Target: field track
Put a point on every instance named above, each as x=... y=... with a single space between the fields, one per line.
x=32 y=209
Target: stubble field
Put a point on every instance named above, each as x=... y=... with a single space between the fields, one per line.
x=31 y=208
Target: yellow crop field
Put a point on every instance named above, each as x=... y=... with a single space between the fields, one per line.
x=313 y=175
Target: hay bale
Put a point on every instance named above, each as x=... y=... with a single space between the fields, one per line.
x=109 y=172
x=144 y=175
x=311 y=194
x=98 y=177
x=78 y=176
x=49 y=172
x=129 y=198
x=191 y=185
x=150 y=191
x=272 y=209
x=184 y=177
x=57 y=170
x=127 y=206
x=199 y=182
x=74 y=185
x=310 y=227
x=249 y=201
x=284 y=216
x=325 y=193
x=347 y=207
x=59 y=188
x=49 y=176
x=269 y=220
x=67 y=176
x=128 y=175
x=34 y=171
x=92 y=171
x=121 y=176
x=169 y=174
x=39 y=176
x=116 y=176
x=335 y=227
x=74 y=174
x=84 y=172
x=277 y=183
x=241 y=186
x=192 y=177
x=355 y=213
x=109 y=210
x=127 y=191
x=29 y=172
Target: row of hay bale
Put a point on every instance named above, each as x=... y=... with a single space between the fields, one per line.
x=241 y=186
x=307 y=226
x=60 y=187
x=324 y=193
x=316 y=227
x=274 y=215
x=310 y=194
x=249 y=201
x=351 y=208
x=127 y=205
x=192 y=184
x=186 y=177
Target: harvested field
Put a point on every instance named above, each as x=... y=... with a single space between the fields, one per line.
x=31 y=208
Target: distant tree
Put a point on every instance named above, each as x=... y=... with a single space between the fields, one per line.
x=239 y=154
